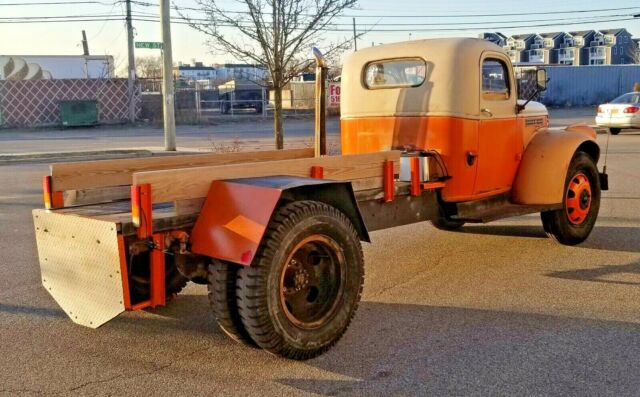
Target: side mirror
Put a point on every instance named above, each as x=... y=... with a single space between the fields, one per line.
x=541 y=79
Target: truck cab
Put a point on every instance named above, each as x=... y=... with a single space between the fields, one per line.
x=457 y=99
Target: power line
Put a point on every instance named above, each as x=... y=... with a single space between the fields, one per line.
x=62 y=20
x=107 y=15
x=581 y=22
x=55 y=3
x=68 y=19
x=585 y=19
x=386 y=15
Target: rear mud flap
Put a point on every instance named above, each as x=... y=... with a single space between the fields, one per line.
x=80 y=266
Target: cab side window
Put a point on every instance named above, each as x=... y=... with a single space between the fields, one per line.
x=495 y=80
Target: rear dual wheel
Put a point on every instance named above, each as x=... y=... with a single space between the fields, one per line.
x=615 y=131
x=301 y=291
x=222 y=296
x=572 y=224
x=140 y=275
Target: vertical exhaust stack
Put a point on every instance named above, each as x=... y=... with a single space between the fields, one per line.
x=321 y=104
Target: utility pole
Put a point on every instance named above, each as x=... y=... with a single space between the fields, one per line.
x=85 y=43
x=131 y=73
x=355 y=39
x=167 y=79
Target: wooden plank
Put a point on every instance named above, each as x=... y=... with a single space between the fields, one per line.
x=189 y=183
x=97 y=195
x=190 y=206
x=375 y=182
x=92 y=174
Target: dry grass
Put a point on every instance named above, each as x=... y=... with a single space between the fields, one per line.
x=224 y=147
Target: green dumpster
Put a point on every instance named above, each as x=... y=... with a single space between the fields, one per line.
x=78 y=113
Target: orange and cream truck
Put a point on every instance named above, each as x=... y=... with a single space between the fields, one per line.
x=431 y=130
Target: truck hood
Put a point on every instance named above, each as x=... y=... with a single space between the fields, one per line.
x=533 y=109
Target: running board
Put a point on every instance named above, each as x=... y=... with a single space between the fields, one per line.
x=498 y=207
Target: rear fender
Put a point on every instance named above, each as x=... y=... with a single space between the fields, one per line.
x=236 y=212
x=541 y=177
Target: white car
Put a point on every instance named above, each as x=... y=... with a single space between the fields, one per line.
x=622 y=112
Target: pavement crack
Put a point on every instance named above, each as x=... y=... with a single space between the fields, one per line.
x=412 y=278
x=157 y=368
x=15 y=391
x=94 y=382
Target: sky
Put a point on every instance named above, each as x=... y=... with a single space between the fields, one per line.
x=419 y=18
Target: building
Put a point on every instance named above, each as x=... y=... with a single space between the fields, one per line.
x=575 y=49
x=612 y=47
x=241 y=71
x=47 y=67
x=588 y=47
x=518 y=46
x=545 y=47
x=494 y=37
x=197 y=71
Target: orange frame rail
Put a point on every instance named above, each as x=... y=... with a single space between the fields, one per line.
x=142 y=217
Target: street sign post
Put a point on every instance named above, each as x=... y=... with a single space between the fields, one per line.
x=149 y=44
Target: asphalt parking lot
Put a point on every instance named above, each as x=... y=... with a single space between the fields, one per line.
x=495 y=309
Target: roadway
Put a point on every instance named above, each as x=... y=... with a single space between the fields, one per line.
x=248 y=132
x=495 y=309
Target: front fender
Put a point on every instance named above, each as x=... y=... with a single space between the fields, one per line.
x=543 y=169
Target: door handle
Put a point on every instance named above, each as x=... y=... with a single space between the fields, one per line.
x=487 y=112
x=471 y=158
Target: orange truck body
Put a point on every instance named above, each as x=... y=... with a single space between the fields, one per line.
x=451 y=113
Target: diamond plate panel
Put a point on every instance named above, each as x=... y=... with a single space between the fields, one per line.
x=30 y=103
x=80 y=266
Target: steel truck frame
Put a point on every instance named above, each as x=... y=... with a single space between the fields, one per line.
x=276 y=235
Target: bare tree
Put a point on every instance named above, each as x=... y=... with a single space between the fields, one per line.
x=277 y=34
x=149 y=67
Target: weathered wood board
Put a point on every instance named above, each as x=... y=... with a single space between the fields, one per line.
x=190 y=183
x=102 y=173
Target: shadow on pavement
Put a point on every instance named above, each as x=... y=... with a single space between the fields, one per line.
x=596 y=274
x=390 y=349
x=505 y=230
x=607 y=238
x=400 y=349
x=31 y=311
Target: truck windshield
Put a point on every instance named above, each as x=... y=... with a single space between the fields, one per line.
x=394 y=73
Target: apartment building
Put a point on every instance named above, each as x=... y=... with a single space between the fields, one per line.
x=588 y=47
x=518 y=46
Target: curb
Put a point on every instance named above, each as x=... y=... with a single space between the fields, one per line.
x=16 y=158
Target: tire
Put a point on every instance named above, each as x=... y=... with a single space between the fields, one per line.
x=139 y=277
x=444 y=221
x=573 y=223
x=300 y=293
x=222 y=296
x=615 y=131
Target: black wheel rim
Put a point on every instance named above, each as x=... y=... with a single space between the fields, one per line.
x=312 y=281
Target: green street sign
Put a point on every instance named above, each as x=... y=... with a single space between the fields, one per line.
x=148 y=44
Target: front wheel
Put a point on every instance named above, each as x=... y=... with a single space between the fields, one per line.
x=443 y=221
x=573 y=223
x=615 y=131
x=301 y=291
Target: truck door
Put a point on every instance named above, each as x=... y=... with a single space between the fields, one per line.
x=497 y=155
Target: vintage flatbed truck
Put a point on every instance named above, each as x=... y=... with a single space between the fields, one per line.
x=431 y=130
